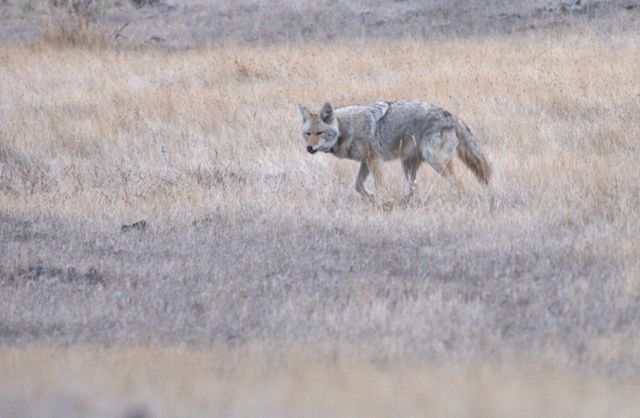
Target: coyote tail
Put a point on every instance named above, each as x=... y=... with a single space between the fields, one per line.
x=470 y=153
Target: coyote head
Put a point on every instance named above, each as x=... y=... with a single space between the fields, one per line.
x=320 y=130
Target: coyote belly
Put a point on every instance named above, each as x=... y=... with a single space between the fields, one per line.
x=407 y=130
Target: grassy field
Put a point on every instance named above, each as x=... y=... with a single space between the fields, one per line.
x=146 y=382
x=180 y=24
x=262 y=285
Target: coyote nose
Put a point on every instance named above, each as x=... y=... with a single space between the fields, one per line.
x=310 y=149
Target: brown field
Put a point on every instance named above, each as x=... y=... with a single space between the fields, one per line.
x=264 y=286
x=145 y=382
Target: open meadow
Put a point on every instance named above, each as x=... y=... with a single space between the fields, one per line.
x=261 y=284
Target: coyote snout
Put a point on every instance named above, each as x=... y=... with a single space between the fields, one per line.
x=407 y=130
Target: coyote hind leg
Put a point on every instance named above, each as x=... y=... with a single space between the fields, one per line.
x=450 y=174
x=447 y=171
x=410 y=168
x=440 y=157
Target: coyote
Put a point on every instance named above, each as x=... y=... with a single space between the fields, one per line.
x=409 y=130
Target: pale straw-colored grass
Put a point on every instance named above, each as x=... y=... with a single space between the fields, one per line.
x=253 y=241
x=141 y=381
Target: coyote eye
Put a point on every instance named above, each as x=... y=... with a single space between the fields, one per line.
x=307 y=133
x=320 y=133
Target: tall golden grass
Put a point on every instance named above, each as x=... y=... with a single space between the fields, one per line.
x=74 y=23
x=102 y=137
x=118 y=132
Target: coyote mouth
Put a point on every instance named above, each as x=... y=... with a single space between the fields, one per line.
x=310 y=150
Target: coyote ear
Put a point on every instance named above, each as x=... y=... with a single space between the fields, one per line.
x=304 y=112
x=326 y=113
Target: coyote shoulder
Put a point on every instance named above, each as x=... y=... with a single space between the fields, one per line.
x=407 y=130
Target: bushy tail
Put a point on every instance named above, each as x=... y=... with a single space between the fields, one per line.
x=470 y=153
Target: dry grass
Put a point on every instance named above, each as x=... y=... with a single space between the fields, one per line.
x=132 y=132
x=196 y=23
x=73 y=23
x=134 y=382
x=252 y=241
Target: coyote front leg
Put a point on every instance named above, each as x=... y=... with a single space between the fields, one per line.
x=363 y=173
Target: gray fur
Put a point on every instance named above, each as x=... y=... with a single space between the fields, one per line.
x=326 y=113
x=407 y=130
x=304 y=113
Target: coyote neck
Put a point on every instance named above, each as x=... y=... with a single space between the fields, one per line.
x=347 y=147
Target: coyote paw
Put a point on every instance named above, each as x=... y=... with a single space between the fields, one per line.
x=406 y=201
x=387 y=206
x=366 y=195
x=138 y=226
